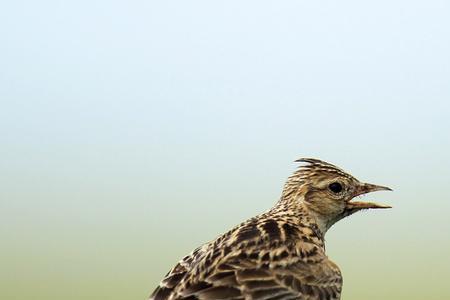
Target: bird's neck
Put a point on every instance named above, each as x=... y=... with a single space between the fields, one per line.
x=311 y=225
x=323 y=222
x=294 y=201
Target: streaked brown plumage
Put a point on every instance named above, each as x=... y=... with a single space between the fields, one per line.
x=279 y=254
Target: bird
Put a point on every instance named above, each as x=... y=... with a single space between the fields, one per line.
x=279 y=254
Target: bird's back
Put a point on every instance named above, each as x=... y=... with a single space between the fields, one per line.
x=272 y=256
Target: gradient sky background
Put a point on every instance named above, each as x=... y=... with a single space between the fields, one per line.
x=133 y=131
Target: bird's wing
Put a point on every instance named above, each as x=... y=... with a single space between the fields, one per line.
x=282 y=273
x=263 y=258
x=174 y=277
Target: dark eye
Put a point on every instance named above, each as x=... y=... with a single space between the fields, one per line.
x=335 y=187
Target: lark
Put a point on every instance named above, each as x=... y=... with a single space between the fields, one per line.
x=279 y=254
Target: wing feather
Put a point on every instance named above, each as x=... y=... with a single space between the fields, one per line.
x=254 y=279
x=255 y=268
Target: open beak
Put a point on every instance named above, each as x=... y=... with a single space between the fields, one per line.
x=364 y=189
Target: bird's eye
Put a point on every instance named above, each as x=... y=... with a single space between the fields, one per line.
x=335 y=187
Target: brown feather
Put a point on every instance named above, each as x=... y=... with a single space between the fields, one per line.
x=279 y=254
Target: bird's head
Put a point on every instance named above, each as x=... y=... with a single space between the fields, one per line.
x=327 y=192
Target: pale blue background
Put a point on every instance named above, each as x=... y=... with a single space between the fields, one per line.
x=133 y=131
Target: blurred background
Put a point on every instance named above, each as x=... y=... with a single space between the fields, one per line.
x=133 y=131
